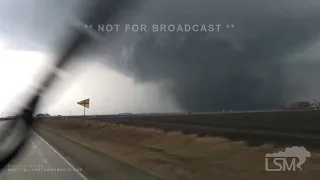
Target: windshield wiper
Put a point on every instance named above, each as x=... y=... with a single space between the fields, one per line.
x=102 y=12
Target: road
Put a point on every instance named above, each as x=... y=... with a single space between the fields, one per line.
x=40 y=160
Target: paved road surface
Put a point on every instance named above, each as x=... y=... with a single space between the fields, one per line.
x=40 y=161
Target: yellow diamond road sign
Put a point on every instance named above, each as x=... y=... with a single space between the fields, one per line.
x=84 y=103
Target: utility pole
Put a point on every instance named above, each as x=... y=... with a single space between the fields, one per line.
x=70 y=112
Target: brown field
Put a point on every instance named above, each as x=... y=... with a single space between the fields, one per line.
x=174 y=156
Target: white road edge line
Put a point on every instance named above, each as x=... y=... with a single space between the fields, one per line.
x=65 y=160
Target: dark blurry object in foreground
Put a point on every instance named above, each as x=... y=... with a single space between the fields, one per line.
x=79 y=39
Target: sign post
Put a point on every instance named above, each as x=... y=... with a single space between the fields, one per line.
x=85 y=104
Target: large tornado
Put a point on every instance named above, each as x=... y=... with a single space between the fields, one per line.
x=245 y=68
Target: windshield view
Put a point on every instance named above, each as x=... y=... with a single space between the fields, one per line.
x=170 y=90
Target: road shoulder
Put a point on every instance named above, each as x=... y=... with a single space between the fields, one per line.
x=95 y=164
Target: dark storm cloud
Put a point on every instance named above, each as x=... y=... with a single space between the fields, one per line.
x=241 y=68
x=238 y=69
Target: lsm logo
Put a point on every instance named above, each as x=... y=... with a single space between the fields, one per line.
x=289 y=160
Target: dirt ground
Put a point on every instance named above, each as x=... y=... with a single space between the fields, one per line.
x=174 y=156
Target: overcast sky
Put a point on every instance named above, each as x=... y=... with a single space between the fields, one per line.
x=268 y=59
